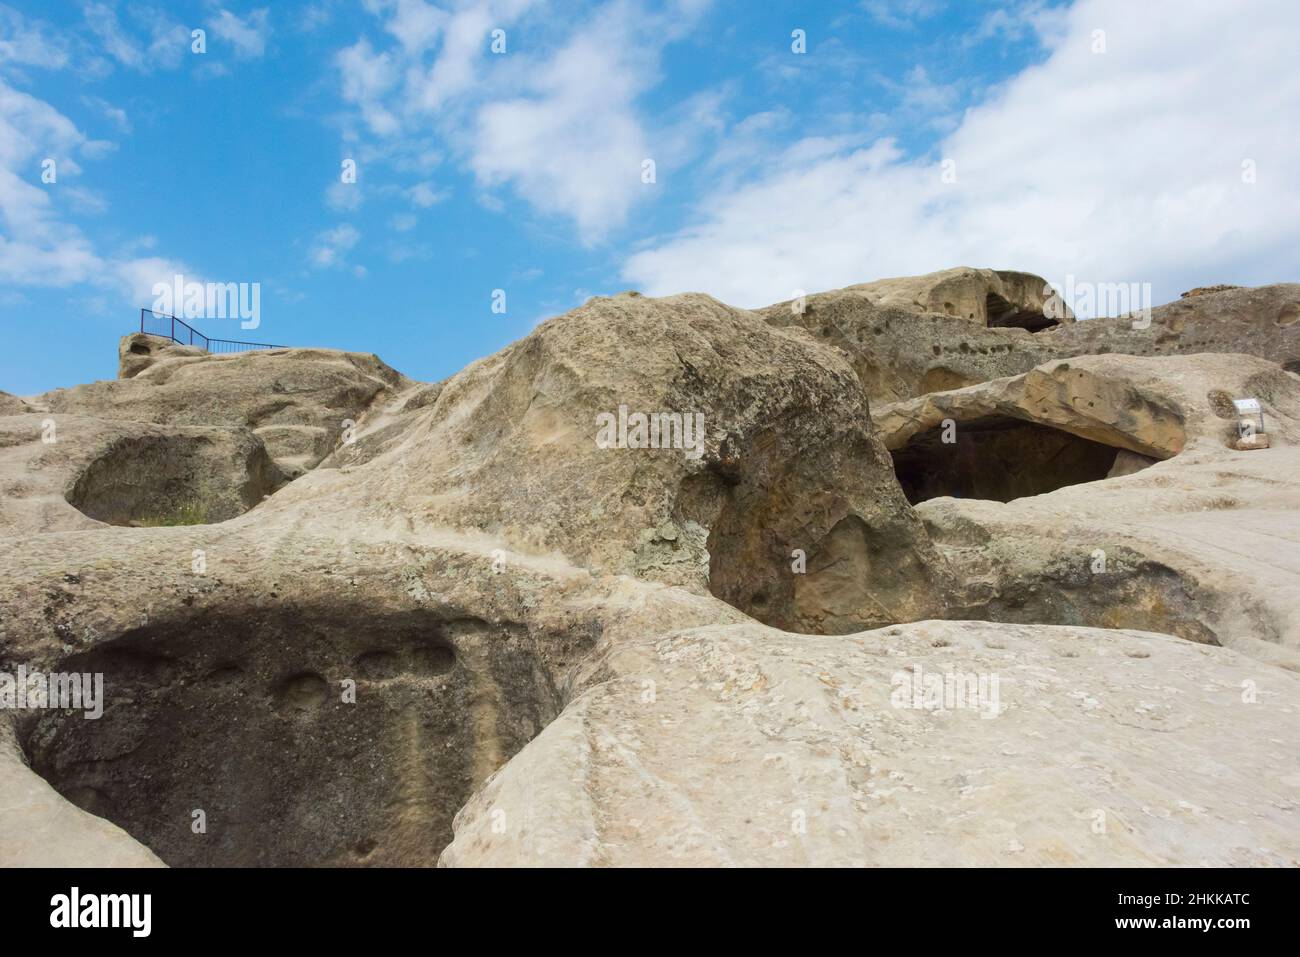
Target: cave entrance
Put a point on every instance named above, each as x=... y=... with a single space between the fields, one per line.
x=176 y=479
x=998 y=458
x=308 y=735
x=1003 y=314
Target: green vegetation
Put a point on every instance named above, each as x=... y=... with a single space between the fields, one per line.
x=192 y=513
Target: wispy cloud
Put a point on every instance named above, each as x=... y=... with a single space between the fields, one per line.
x=331 y=247
x=114 y=114
x=39 y=246
x=247 y=35
x=902 y=14
x=425 y=195
x=157 y=43
x=30 y=43
x=558 y=126
x=1097 y=164
x=1018 y=21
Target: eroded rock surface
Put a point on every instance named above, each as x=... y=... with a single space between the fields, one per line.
x=784 y=459
x=1184 y=534
x=467 y=633
x=300 y=401
x=945 y=330
x=990 y=298
x=72 y=472
x=762 y=748
x=960 y=327
x=138 y=351
x=1259 y=321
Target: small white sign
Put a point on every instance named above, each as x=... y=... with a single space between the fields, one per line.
x=1247 y=405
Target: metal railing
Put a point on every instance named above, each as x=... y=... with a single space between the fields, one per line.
x=178 y=330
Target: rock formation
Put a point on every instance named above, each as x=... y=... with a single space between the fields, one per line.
x=765 y=748
x=920 y=571
x=911 y=337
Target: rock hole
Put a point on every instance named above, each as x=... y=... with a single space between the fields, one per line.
x=301 y=693
x=998 y=458
x=943 y=379
x=1003 y=314
x=155 y=480
x=239 y=711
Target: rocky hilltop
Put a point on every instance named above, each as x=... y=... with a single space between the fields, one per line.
x=921 y=571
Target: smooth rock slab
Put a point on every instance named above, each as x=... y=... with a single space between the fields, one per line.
x=742 y=745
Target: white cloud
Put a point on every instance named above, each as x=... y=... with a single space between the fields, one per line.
x=246 y=35
x=38 y=247
x=557 y=125
x=332 y=246
x=900 y=14
x=29 y=44
x=920 y=92
x=84 y=201
x=425 y=195
x=407 y=252
x=114 y=114
x=1121 y=166
x=416 y=23
x=1019 y=21
x=314 y=17
x=573 y=145
x=102 y=20
x=169 y=41
x=464 y=44
x=367 y=77
x=139 y=276
x=167 y=45
x=343 y=197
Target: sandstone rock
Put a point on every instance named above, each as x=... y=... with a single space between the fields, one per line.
x=907 y=337
x=12 y=405
x=456 y=667
x=786 y=461
x=986 y=297
x=82 y=471
x=41 y=828
x=1197 y=544
x=900 y=350
x=761 y=748
x=1101 y=398
x=1255 y=321
x=138 y=351
x=554 y=644
x=1126 y=463
x=1207 y=290
x=315 y=388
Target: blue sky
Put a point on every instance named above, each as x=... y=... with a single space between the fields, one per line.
x=775 y=171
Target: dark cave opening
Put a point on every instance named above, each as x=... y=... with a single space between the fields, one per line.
x=303 y=735
x=998 y=458
x=1003 y=314
x=150 y=480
